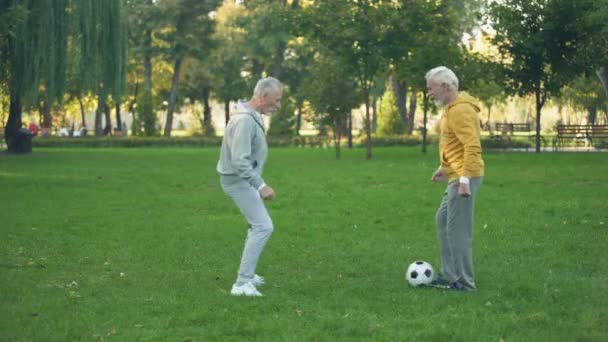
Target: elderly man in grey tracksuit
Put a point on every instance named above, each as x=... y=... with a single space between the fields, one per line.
x=243 y=154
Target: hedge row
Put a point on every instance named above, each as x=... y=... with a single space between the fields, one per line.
x=134 y=141
x=295 y=141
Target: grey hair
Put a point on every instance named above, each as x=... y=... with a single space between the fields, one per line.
x=266 y=86
x=444 y=77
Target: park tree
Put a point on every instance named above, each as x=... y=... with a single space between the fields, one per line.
x=423 y=34
x=585 y=93
x=145 y=20
x=389 y=120
x=332 y=92
x=188 y=32
x=197 y=87
x=527 y=37
x=34 y=52
x=299 y=57
x=581 y=28
x=268 y=27
x=350 y=29
x=226 y=60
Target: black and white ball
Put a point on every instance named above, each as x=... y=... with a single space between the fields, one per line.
x=419 y=273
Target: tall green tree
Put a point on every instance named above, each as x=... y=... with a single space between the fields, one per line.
x=389 y=120
x=226 y=61
x=145 y=19
x=423 y=34
x=581 y=29
x=350 y=28
x=527 y=36
x=102 y=40
x=586 y=93
x=332 y=92
x=188 y=34
x=269 y=28
x=35 y=51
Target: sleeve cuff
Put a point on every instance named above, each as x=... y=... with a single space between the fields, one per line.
x=261 y=186
x=464 y=180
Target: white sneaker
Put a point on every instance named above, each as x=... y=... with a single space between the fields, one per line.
x=247 y=289
x=258 y=280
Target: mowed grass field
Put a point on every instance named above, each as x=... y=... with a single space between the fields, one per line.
x=142 y=245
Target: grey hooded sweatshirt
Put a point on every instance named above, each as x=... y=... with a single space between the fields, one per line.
x=244 y=149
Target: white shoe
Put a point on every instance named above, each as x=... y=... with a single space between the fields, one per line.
x=247 y=289
x=258 y=280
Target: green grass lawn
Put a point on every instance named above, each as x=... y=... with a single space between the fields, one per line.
x=142 y=244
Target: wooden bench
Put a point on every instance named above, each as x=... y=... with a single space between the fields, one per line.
x=508 y=130
x=578 y=133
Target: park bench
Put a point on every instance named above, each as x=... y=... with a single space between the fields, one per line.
x=578 y=133
x=506 y=131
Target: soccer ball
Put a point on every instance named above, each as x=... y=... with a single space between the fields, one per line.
x=419 y=273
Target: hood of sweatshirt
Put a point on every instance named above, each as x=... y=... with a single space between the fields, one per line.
x=243 y=108
x=465 y=98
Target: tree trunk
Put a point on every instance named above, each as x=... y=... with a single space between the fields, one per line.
x=98 y=112
x=299 y=105
x=591 y=115
x=350 y=129
x=602 y=73
x=277 y=68
x=45 y=112
x=108 y=129
x=374 y=115
x=83 y=122
x=207 y=124
x=410 y=118
x=400 y=92
x=540 y=99
x=132 y=105
x=425 y=109
x=226 y=110
x=172 y=96
x=337 y=129
x=119 y=126
x=13 y=124
x=148 y=62
x=488 y=122
x=368 y=126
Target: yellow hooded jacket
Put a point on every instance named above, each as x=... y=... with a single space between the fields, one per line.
x=460 y=145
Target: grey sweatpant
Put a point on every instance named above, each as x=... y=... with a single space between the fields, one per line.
x=455 y=231
x=248 y=200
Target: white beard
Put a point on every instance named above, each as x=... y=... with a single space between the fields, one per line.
x=438 y=103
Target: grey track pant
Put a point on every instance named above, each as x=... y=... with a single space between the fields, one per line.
x=455 y=231
x=248 y=200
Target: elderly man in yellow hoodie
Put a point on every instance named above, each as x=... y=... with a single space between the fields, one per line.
x=462 y=165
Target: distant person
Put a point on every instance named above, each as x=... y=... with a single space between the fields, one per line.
x=33 y=128
x=462 y=165
x=242 y=157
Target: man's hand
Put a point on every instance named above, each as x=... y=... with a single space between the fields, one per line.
x=439 y=176
x=464 y=190
x=267 y=193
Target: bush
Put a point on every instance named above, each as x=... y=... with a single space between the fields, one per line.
x=273 y=141
x=600 y=144
x=494 y=143
x=393 y=140
x=132 y=141
x=390 y=122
